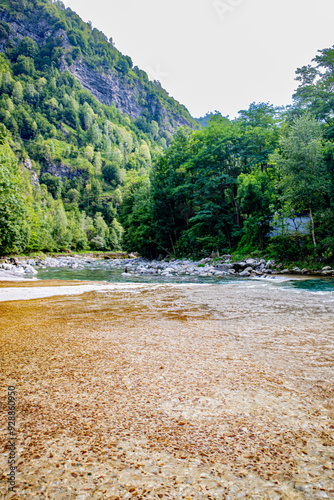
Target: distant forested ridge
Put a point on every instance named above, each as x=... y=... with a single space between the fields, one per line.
x=95 y=156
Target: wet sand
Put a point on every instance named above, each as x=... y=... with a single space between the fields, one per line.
x=193 y=392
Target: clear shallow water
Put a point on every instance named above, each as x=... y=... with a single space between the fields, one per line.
x=100 y=271
x=312 y=285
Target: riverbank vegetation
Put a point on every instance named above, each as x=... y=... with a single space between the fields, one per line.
x=245 y=185
x=237 y=187
x=80 y=175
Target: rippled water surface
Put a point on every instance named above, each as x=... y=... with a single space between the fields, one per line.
x=101 y=271
x=194 y=391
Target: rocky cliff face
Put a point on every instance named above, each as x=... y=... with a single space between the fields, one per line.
x=58 y=169
x=108 y=88
x=39 y=31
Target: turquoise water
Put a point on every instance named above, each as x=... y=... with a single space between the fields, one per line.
x=100 y=271
x=312 y=285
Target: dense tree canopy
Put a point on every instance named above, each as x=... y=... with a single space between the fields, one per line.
x=76 y=174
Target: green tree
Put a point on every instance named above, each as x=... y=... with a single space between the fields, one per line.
x=7 y=83
x=31 y=94
x=62 y=235
x=302 y=169
x=53 y=184
x=112 y=173
x=13 y=214
x=24 y=65
x=257 y=197
x=17 y=93
x=28 y=47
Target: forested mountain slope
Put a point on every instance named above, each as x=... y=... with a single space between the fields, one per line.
x=66 y=42
x=81 y=119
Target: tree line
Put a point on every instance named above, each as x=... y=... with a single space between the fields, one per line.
x=78 y=175
x=224 y=188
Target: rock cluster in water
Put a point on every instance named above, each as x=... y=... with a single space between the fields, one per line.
x=13 y=267
x=16 y=268
x=203 y=268
x=211 y=267
x=136 y=266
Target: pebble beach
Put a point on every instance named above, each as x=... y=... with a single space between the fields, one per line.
x=162 y=391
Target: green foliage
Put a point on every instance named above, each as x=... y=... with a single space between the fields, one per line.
x=12 y=209
x=257 y=196
x=290 y=247
x=112 y=173
x=196 y=207
x=301 y=163
x=108 y=180
x=136 y=217
x=53 y=184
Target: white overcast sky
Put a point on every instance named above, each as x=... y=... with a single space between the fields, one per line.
x=217 y=54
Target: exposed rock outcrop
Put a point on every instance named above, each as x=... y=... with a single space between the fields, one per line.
x=108 y=87
x=34 y=177
x=64 y=171
x=39 y=31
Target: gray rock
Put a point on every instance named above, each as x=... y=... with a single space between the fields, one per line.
x=7 y=267
x=238 y=266
x=220 y=273
x=251 y=262
x=326 y=273
x=169 y=270
x=327 y=268
x=30 y=270
x=270 y=263
x=245 y=273
x=223 y=267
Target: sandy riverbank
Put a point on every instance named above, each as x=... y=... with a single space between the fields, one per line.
x=198 y=392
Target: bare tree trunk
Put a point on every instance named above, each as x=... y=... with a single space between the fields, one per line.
x=313 y=233
x=171 y=240
x=235 y=207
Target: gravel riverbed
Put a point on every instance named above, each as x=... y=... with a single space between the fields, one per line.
x=192 y=392
x=18 y=269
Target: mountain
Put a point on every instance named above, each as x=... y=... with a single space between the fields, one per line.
x=68 y=43
x=83 y=123
x=204 y=121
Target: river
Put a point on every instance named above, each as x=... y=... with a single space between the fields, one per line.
x=221 y=389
